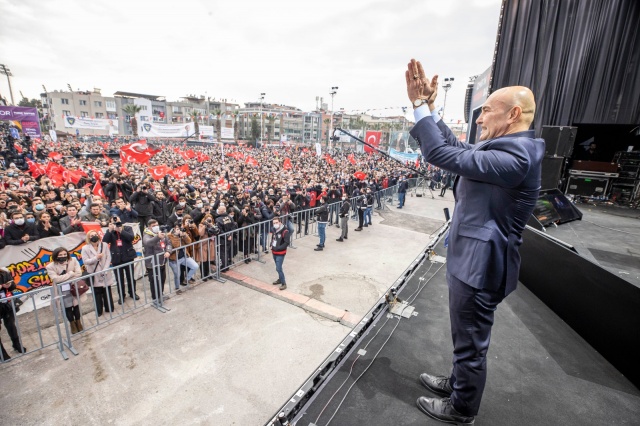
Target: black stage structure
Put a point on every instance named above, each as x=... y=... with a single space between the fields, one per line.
x=544 y=368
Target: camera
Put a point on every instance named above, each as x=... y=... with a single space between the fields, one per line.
x=165 y=228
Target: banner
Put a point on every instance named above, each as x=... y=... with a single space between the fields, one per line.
x=318 y=149
x=26 y=117
x=166 y=130
x=27 y=262
x=403 y=156
x=403 y=142
x=89 y=123
x=373 y=139
x=348 y=139
x=226 y=132
x=206 y=131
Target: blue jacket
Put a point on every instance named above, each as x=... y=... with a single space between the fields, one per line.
x=496 y=190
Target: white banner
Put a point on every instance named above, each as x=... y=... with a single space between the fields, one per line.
x=54 y=136
x=347 y=138
x=226 y=132
x=318 y=149
x=89 y=123
x=27 y=262
x=165 y=130
x=403 y=156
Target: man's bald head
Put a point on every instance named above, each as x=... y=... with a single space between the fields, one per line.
x=507 y=110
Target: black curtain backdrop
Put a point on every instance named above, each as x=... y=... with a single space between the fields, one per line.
x=580 y=57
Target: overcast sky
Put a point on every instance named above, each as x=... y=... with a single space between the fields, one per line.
x=292 y=50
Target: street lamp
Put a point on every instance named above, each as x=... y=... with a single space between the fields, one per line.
x=446 y=86
x=261 y=100
x=334 y=90
x=6 y=71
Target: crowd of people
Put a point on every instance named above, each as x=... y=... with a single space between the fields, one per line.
x=222 y=189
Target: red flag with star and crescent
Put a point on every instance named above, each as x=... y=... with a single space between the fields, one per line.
x=351 y=159
x=372 y=138
x=136 y=152
x=97 y=190
x=287 y=164
x=158 y=172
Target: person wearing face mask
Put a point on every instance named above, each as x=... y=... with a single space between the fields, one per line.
x=157 y=246
x=62 y=269
x=322 y=213
x=7 y=313
x=97 y=258
x=176 y=217
x=120 y=240
x=198 y=211
x=344 y=218
x=20 y=232
x=280 y=238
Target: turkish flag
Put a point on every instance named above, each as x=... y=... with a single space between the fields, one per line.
x=97 y=190
x=158 y=172
x=191 y=154
x=74 y=176
x=329 y=160
x=287 y=164
x=136 y=152
x=91 y=226
x=360 y=175
x=18 y=148
x=252 y=161
x=372 y=138
x=55 y=156
x=35 y=169
x=352 y=159
x=202 y=157
x=107 y=159
x=180 y=172
x=124 y=171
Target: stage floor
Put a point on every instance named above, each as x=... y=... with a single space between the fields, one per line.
x=540 y=372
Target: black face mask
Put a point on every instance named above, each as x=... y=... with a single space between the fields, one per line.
x=94 y=239
x=60 y=259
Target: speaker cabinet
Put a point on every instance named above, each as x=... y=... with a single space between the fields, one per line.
x=559 y=140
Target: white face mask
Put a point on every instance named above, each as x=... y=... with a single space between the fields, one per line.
x=155 y=229
x=19 y=222
x=199 y=205
x=182 y=204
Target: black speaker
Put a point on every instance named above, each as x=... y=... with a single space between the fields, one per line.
x=559 y=140
x=551 y=172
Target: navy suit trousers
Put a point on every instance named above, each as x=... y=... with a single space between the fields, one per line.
x=471 y=312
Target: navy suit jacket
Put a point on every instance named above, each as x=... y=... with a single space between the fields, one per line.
x=496 y=190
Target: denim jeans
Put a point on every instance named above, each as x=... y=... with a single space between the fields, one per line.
x=192 y=268
x=401 y=196
x=367 y=215
x=322 y=232
x=279 y=260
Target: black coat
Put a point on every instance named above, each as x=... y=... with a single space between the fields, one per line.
x=162 y=211
x=124 y=253
x=143 y=203
x=14 y=233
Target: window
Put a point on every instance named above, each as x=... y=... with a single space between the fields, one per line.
x=97 y=103
x=127 y=118
x=84 y=114
x=112 y=116
x=99 y=115
x=111 y=105
x=82 y=102
x=176 y=110
x=66 y=113
x=64 y=101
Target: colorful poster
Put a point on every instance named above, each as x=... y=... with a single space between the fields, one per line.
x=27 y=262
x=27 y=118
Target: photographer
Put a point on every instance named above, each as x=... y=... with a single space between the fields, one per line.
x=302 y=201
x=179 y=238
x=120 y=242
x=142 y=201
x=246 y=219
x=7 y=315
x=117 y=187
x=157 y=245
x=226 y=224
x=267 y=212
x=206 y=251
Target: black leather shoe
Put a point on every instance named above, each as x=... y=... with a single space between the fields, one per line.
x=436 y=384
x=277 y=282
x=339 y=239
x=442 y=410
x=136 y=297
x=22 y=350
x=358 y=229
x=318 y=249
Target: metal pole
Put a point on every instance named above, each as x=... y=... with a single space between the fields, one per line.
x=6 y=71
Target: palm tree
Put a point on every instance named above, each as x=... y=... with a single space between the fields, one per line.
x=235 y=124
x=131 y=110
x=326 y=122
x=255 y=130
x=218 y=115
x=195 y=116
x=270 y=127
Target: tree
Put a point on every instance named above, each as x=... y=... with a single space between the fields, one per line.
x=195 y=116
x=235 y=116
x=131 y=110
x=255 y=130
x=326 y=122
x=270 y=127
x=218 y=114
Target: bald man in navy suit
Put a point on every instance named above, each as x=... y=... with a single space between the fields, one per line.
x=496 y=190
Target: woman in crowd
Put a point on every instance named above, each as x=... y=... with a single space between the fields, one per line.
x=61 y=269
x=205 y=253
x=180 y=256
x=46 y=228
x=97 y=258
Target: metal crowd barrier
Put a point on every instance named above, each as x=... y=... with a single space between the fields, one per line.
x=248 y=243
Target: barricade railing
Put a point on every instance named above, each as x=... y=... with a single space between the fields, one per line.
x=208 y=257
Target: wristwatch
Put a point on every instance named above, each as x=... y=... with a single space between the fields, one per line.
x=419 y=102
